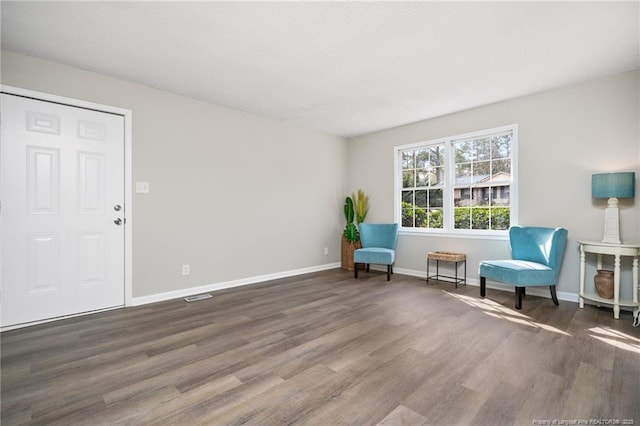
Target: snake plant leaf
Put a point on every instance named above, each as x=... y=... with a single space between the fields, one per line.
x=348 y=210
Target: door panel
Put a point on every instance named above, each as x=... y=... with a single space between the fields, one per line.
x=62 y=175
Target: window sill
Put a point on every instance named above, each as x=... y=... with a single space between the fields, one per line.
x=477 y=235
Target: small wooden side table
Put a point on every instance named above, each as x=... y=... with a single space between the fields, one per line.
x=615 y=250
x=446 y=256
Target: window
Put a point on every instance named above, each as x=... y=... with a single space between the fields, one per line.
x=460 y=184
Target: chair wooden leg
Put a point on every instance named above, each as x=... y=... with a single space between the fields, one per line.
x=391 y=266
x=483 y=286
x=368 y=264
x=519 y=291
x=355 y=270
x=388 y=272
x=554 y=297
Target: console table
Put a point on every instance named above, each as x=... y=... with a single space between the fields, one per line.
x=617 y=251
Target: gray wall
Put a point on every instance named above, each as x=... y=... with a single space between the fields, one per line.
x=239 y=196
x=565 y=135
x=232 y=194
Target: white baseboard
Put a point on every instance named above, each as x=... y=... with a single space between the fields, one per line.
x=534 y=291
x=160 y=297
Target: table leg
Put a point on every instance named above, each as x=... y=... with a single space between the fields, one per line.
x=616 y=287
x=427 y=268
x=456 y=278
x=582 y=268
x=634 y=287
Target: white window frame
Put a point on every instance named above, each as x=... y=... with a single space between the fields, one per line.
x=449 y=178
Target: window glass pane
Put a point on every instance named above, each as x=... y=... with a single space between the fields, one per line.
x=482 y=196
x=463 y=174
x=422 y=177
x=421 y=218
x=435 y=198
x=422 y=158
x=408 y=179
x=407 y=217
x=500 y=196
x=463 y=151
x=462 y=218
x=501 y=166
x=482 y=149
x=436 y=155
x=437 y=176
x=435 y=219
x=462 y=197
x=481 y=171
x=501 y=146
x=407 y=160
x=480 y=218
x=421 y=198
x=407 y=197
x=500 y=218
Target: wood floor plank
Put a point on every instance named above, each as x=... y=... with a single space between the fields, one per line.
x=402 y=416
x=502 y=407
x=326 y=349
x=589 y=394
x=378 y=394
x=547 y=390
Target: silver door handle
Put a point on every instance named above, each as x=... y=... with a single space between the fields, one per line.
x=117 y=207
x=118 y=221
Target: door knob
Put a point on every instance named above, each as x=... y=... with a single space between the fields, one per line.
x=117 y=207
x=118 y=221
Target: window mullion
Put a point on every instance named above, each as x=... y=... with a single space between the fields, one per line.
x=449 y=181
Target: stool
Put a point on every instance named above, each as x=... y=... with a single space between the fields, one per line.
x=447 y=257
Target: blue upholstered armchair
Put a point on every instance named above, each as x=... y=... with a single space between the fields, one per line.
x=536 y=258
x=378 y=246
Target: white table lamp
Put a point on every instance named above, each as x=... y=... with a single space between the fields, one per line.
x=613 y=186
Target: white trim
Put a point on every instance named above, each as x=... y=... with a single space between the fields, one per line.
x=502 y=236
x=542 y=291
x=128 y=143
x=176 y=294
x=447 y=187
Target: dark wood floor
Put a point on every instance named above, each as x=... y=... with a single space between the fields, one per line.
x=326 y=349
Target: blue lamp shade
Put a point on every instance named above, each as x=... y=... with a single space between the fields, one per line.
x=613 y=185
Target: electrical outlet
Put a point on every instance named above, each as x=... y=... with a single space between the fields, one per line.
x=326 y=251
x=142 y=187
x=186 y=269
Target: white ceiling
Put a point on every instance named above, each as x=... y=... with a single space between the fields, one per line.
x=347 y=68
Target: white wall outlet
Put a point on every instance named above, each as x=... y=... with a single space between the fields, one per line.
x=186 y=269
x=142 y=187
x=326 y=251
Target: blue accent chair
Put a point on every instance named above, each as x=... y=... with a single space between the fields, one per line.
x=536 y=258
x=378 y=246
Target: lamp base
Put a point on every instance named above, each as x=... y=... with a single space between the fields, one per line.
x=612 y=223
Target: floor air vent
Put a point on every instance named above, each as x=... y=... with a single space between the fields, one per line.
x=197 y=297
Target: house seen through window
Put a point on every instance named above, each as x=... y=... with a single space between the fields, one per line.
x=463 y=183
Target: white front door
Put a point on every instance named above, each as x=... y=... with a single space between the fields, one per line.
x=62 y=211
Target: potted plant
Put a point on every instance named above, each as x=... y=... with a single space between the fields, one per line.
x=350 y=236
x=355 y=207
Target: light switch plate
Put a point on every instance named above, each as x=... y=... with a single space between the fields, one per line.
x=142 y=187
